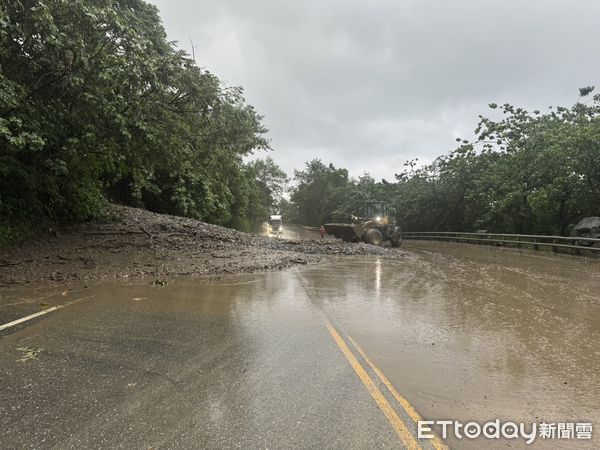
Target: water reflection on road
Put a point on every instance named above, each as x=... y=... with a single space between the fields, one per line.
x=464 y=332
x=473 y=332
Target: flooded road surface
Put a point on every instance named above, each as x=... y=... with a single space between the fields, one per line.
x=300 y=359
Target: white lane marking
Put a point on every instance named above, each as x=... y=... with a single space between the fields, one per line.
x=25 y=319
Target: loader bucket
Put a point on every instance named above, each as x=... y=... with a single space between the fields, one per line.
x=348 y=232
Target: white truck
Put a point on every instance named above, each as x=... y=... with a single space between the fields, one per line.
x=276 y=224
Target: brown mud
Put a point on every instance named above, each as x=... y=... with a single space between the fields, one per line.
x=139 y=243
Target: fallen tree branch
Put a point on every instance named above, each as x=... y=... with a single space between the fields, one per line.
x=150 y=235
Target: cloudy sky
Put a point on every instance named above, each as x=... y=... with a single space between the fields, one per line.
x=370 y=84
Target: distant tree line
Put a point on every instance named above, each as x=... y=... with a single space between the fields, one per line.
x=535 y=173
x=96 y=106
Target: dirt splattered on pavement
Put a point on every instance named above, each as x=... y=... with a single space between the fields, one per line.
x=140 y=243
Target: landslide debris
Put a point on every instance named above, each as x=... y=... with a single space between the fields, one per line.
x=141 y=243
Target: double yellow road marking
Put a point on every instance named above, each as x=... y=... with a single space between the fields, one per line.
x=399 y=426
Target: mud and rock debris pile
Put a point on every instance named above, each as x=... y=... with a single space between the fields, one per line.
x=141 y=243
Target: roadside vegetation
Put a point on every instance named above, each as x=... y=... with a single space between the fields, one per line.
x=96 y=106
x=527 y=172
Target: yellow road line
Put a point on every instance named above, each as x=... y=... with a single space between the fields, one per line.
x=399 y=426
x=412 y=412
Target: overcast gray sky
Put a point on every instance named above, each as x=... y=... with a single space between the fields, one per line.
x=370 y=84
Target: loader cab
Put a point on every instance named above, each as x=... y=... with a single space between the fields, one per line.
x=377 y=211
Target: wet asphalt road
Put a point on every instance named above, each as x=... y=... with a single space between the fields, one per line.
x=462 y=332
x=244 y=363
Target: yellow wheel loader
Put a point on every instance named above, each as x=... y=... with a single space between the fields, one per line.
x=375 y=227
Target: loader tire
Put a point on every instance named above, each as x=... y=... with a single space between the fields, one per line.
x=374 y=237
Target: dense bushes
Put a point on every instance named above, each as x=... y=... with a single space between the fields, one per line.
x=96 y=105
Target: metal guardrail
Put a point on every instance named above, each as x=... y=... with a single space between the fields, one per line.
x=537 y=242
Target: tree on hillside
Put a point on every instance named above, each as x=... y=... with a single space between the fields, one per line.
x=96 y=104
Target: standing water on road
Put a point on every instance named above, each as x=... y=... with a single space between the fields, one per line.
x=477 y=333
x=463 y=332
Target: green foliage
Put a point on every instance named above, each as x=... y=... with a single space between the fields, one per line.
x=265 y=185
x=318 y=193
x=96 y=105
x=526 y=173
